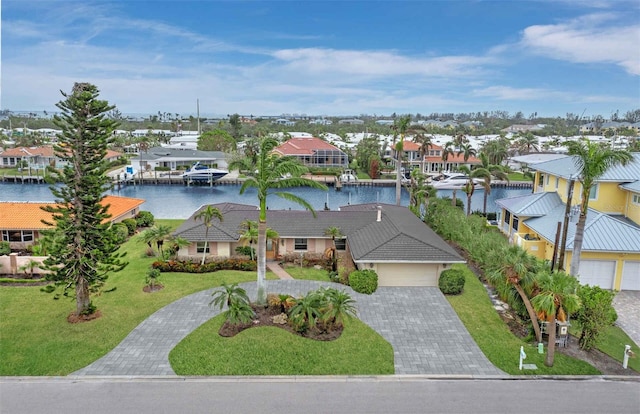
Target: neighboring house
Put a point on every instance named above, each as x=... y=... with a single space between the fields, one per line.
x=351 y=122
x=434 y=163
x=386 y=238
x=313 y=152
x=610 y=255
x=173 y=158
x=39 y=157
x=523 y=128
x=21 y=222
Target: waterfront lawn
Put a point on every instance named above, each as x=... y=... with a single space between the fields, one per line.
x=497 y=342
x=36 y=339
x=518 y=176
x=273 y=351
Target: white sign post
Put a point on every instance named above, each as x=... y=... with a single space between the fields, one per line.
x=523 y=356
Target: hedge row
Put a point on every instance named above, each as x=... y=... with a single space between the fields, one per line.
x=195 y=267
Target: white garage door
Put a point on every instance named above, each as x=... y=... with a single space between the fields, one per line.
x=630 y=276
x=407 y=274
x=598 y=273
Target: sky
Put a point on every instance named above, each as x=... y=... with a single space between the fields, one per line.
x=325 y=58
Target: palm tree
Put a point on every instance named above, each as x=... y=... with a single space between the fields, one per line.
x=400 y=125
x=494 y=171
x=207 y=215
x=496 y=150
x=467 y=151
x=592 y=160
x=340 y=306
x=555 y=300
x=419 y=192
x=425 y=141
x=528 y=141
x=447 y=150
x=470 y=187
x=334 y=232
x=517 y=270
x=157 y=234
x=264 y=175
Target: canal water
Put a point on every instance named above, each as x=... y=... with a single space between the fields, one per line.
x=178 y=201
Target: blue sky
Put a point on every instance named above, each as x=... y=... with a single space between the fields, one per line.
x=325 y=58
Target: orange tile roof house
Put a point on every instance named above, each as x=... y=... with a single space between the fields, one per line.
x=313 y=152
x=21 y=222
x=434 y=163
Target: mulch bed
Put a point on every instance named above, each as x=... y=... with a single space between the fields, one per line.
x=264 y=317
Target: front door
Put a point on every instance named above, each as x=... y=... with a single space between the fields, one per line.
x=271 y=249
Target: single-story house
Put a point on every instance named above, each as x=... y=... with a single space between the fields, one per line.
x=39 y=157
x=21 y=222
x=386 y=238
x=173 y=158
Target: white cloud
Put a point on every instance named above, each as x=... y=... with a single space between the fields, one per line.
x=594 y=38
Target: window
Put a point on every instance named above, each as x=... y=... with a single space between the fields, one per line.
x=341 y=244
x=557 y=182
x=5 y=235
x=515 y=223
x=300 y=244
x=547 y=179
x=27 y=235
x=201 y=246
x=593 y=193
x=636 y=199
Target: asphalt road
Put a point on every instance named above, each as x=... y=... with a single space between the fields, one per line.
x=391 y=394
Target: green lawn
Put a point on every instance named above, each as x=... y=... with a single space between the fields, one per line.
x=497 y=342
x=518 y=176
x=307 y=273
x=612 y=343
x=36 y=339
x=273 y=351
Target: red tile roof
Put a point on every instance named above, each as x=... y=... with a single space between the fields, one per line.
x=303 y=146
x=29 y=215
x=44 y=151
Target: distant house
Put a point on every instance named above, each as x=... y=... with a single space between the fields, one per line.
x=39 y=157
x=434 y=163
x=283 y=121
x=313 y=152
x=21 y=222
x=388 y=239
x=522 y=128
x=351 y=122
x=173 y=158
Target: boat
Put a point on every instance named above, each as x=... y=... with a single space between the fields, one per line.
x=348 y=176
x=203 y=173
x=454 y=181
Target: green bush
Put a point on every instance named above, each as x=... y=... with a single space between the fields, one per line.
x=4 y=248
x=246 y=251
x=364 y=281
x=122 y=232
x=451 y=282
x=595 y=315
x=162 y=169
x=144 y=219
x=131 y=224
x=230 y=263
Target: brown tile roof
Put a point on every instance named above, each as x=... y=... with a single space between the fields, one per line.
x=303 y=146
x=29 y=215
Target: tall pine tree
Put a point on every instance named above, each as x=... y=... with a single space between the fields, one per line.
x=85 y=250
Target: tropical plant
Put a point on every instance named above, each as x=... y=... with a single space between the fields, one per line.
x=227 y=294
x=271 y=172
x=207 y=214
x=153 y=276
x=249 y=234
x=239 y=313
x=595 y=315
x=556 y=300
x=333 y=232
x=85 y=250
x=425 y=141
x=30 y=265
x=306 y=310
x=517 y=269
x=340 y=305
x=467 y=151
x=494 y=170
x=5 y=248
x=419 y=192
x=470 y=186
x=156 y=235
x=592 y=160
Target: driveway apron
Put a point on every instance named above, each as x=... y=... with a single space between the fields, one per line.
x=427 y=336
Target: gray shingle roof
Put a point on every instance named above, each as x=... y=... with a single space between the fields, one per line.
x=400 y=236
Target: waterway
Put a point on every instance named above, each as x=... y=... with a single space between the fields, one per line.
x=178 y=201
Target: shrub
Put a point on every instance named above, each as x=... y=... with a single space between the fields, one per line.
x=144 y=219
x=451 y=282
x=246 y=251
x=4 y=248
x=364 y=281
x=122 y=232
x=227 y=263
x=152 y=277
x=131 y=224
x=595 y=315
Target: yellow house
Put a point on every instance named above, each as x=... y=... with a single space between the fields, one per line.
x=610 y=255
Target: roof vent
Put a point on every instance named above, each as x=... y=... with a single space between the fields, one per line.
x=379 y=213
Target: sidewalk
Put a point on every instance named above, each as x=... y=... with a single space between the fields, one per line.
x=279 y=271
